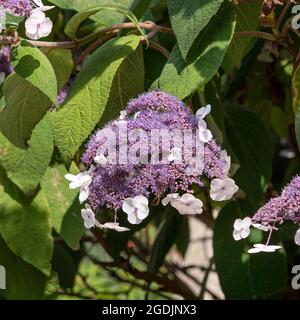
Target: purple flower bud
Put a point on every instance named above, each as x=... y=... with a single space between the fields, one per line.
x=5 y=65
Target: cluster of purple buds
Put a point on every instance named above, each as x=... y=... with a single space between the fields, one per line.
x=155 y=151
x=37 y=25
x=17 y=7
x=5 y=65
x=285 y=207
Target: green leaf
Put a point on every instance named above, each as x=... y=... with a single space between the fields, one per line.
x=247 y=19
x=26 y=167
x=165 y=239
x=64 y=265
x=189 y=18
x=32 y=65
x=182 y=240
x=27 y=231
x=89 y=95
x=25 y=107
x=245 y=276
x=75 y=22
x=104 y=17
x=63 y=206
x=128 y=83
x=13 y=21
x=23 y=282
x=62 y=63
x=181 y=78
x=253 y=146
x=11 y=189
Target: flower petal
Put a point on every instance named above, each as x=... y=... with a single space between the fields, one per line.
x=84 y=194
x=142 y=212
x=236 y=235
x=245 y=233
x=140 y=200
x=254 y=250
x=247 y=222
x=238 y=224
x=128 y=206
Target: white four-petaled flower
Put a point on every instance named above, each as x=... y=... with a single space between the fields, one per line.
x=82 y=181
x=260 y=247
x=205 y=134
x=169 y=198
x=136 y=208
x=39 y=4
x=227 y=161
x=204 y=111
x=221 y=190
x=88 y=217
x=38 y=25
x=187 y=204
x=241 y=228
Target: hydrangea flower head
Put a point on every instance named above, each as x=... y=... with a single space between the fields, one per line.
x=160 y=168
x=286 y=207
x=113 y=183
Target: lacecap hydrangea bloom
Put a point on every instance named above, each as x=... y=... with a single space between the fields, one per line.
x=170 y=151
x=37 y=25
x=285 y=207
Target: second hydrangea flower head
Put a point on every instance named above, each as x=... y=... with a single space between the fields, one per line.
x=157 y=151
x=278 y=210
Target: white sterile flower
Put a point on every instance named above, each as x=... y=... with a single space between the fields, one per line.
x=227 y=161
x=203 y=112
x=241 y=228
x=113 y=226
x=88 y=217
x=82 y=181
x=221 y=190
x=38 y=25
x=205 y=134
x=297 y=237
x=260 y=247
x=174 y=154
x=187 y=204
x=136 y=208
x=260 y=227
x=123 y=115
x=100 y=159
x=39 y=4
x=169 y=198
